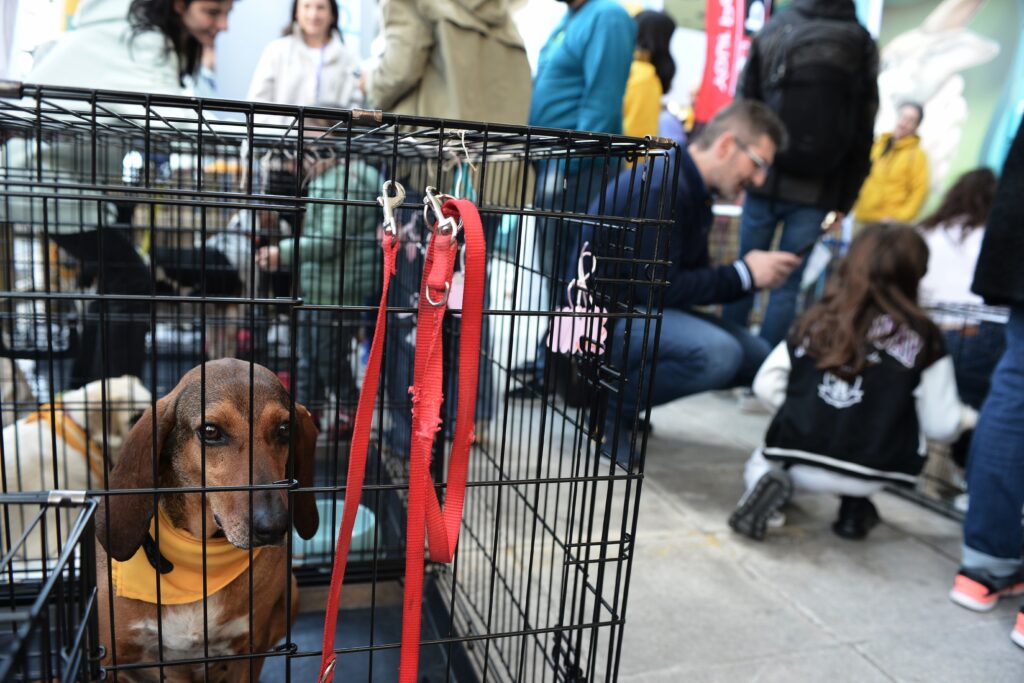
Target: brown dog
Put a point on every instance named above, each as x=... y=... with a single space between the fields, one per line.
x=141 y=631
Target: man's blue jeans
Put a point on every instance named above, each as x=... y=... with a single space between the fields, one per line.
x=995 y=467
x=696 y=352
x=801 y=223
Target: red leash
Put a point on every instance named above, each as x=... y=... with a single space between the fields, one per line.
x=426 y=519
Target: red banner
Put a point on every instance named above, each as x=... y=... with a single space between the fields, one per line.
x=729 y=25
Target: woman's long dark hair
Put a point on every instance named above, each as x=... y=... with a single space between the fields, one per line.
x=159 y=15
x=879 y=276
x=333 y=28
x=969 y=200
x=653 y=33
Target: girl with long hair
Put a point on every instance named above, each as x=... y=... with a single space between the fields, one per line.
x=862 y=378
x=954 y=233
x=308 y=64
x=650 y=75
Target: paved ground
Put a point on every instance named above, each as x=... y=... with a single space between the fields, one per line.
x=805 y=605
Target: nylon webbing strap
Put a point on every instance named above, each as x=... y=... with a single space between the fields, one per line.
x=357 y=462
x=426 y=519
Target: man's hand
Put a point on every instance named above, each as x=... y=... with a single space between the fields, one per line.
x=769 y=269
x=268 y=258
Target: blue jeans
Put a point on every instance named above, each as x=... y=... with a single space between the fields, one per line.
x=697 y=352
x=801 y=223
x=995 y=466
x=974 y=359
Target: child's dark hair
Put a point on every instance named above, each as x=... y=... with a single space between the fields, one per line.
x=969 y=199
x=653 y=33
x=879 y=276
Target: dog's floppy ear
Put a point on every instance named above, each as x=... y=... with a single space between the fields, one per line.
x=123 y=522
x=305 y=515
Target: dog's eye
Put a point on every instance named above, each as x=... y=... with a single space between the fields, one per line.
x=284 y=431
x=210 y=433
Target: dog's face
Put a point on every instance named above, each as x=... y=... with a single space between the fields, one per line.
x=204 y=426
x=119 y=400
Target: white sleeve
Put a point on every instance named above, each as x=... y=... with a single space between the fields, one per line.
x=773 y=378
x=939 y=411
x=261 y=89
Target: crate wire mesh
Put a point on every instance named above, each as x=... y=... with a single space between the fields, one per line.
x=135 y=225
x=48 y=612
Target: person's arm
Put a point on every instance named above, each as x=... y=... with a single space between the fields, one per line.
x=408 y=41
x=941 y=415
x=772 y=378
x=261 y=88
x=607 y=56
x=749 y=85
x=858 y=158
x=917 y=182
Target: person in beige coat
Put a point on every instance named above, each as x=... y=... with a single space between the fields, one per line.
x=457 y=59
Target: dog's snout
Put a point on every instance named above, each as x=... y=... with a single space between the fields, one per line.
x=269 y=520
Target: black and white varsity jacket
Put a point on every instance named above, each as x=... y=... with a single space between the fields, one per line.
x=873 y=426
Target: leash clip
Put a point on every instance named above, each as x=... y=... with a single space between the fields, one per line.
x=389 y=204
x=446 y=225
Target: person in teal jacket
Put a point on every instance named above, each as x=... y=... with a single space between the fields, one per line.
x=337 y=256
x=583 y=69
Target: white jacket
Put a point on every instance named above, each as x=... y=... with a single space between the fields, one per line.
x=99 y=52
x=290 y=72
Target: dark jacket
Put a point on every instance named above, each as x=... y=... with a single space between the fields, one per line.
x=836 y=190
x=869 y=426
x=689 y=277
x=999 y=276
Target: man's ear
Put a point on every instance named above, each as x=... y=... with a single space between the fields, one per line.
x=122 y=521
x=723 y=145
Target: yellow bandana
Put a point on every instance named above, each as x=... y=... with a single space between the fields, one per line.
x=73 y=436
x=136 y=578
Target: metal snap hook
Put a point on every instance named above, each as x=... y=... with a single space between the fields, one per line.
x=390 y=203
x=444 y=299
x=432 y=202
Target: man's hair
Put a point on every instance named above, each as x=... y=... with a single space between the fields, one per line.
x=916 y=107
x=748 y=118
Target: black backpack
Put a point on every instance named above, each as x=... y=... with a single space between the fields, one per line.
x=813 y=82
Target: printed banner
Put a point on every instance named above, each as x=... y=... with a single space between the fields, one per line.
x=729 y=25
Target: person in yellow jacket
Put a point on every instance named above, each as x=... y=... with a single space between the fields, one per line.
x=650 y=75
x=897 y=186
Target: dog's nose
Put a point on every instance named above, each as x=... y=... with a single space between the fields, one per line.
x=269 y=525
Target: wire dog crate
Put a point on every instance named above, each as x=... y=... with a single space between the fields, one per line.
x=47 y=621
x=146 y=235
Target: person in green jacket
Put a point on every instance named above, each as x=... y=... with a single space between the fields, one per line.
x=335 y=257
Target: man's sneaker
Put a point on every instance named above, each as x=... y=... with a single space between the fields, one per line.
x=1017 y=634
x=757 y=505
x=979 y=591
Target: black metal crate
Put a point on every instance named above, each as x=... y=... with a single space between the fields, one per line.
x=179 y=195
x=48 y=604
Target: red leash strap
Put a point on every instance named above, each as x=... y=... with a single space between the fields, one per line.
x=357 y=457
x=424 y=508
x=425 y=512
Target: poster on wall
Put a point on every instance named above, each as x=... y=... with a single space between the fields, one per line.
x=963 y=61
x=730 y=25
